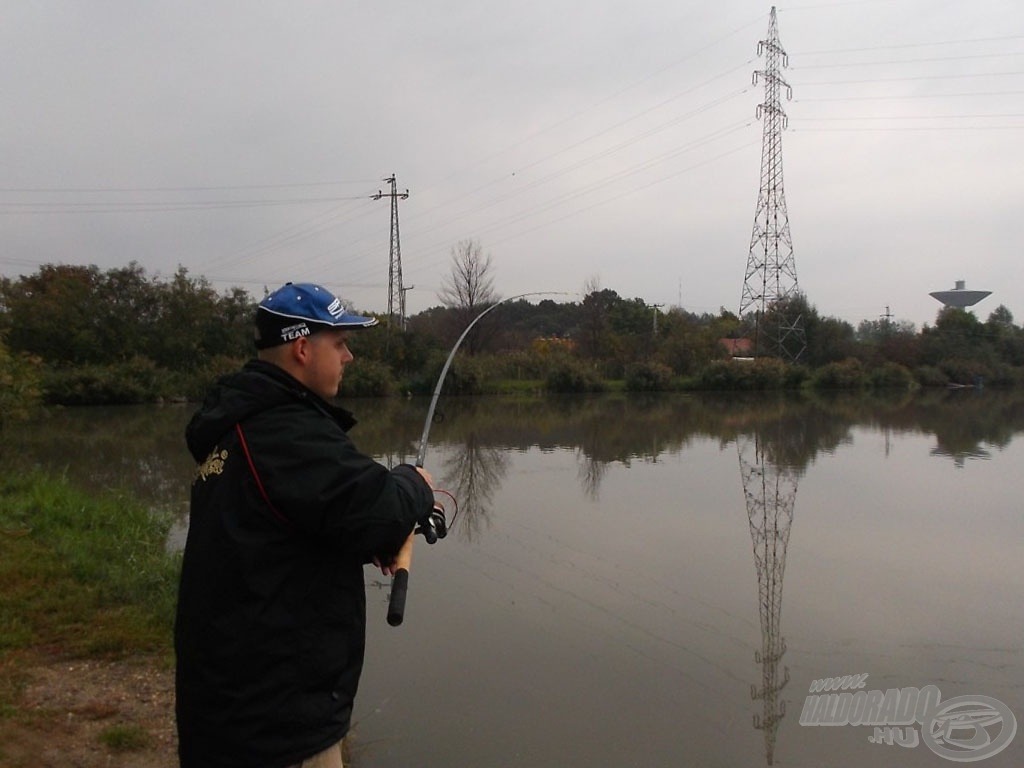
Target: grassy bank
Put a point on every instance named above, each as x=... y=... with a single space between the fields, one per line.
x=81 y=576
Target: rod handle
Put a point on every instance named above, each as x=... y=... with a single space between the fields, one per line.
x=396 y=603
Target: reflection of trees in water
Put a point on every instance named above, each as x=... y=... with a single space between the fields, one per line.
x=472 y=473
x=142 y=448
x=794 y=428
x=960 y=456
x=590 y=473
x=973 y=426
x=769 y=491
x=965 y=423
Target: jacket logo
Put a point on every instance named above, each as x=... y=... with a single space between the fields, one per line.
x=214 y=465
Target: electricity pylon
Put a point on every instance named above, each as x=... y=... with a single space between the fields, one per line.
x=770 y=288
x=769 y=490
x=396 y=293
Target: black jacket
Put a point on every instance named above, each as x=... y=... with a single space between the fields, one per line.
x=271 y=619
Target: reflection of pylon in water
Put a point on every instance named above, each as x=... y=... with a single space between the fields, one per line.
x=770 y=493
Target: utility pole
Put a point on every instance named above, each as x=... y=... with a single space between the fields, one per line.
x=655 y=308
x=405 y=319
x=770 y=284
x=396 y=293
x=886 y=322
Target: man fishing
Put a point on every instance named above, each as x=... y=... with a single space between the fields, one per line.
x=285 y=512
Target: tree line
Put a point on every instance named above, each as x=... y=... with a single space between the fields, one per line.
x=77 y=334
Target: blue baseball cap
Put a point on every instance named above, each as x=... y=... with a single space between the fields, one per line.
x=301 y=309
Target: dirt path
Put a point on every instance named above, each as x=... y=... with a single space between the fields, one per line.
x=93 y=714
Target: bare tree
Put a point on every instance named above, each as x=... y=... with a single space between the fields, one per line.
x=469 y=289
x=474 y=473
x=470 y=284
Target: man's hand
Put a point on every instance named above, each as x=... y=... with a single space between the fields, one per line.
x=402 y=560
x=426 y=476
x=404 y=556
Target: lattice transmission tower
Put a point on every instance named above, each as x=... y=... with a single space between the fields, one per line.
x=396 y=291
x=769 y=490
x=770 y=289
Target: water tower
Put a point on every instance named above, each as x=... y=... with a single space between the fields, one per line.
x=959 y=296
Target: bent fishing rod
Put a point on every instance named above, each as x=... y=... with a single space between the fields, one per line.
x=435 y=526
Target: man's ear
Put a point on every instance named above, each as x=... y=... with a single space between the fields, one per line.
x=300 y=350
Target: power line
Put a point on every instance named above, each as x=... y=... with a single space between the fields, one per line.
x=600 y=203
x=600 y=155
x=917 y=129
x=909 y=45
x=909 y=79
x=303 y=230
x=326 y=220
x=908 y=61
x=591 y=137
x=121 y=190
x=913 y=117
x=580 y=112
x=902 y=97
x=36 y=207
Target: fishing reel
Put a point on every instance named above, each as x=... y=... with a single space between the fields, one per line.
x=434 y=526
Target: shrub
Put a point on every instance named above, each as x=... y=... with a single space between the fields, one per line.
x=19 y=385
x=848 y=374
x=569 y=375
x=719 y=375
x=368 y=378
x=767 y=373
x=795 y=376
x=194 y=385
x=648 y=377
x=961 y=371
x=519 y=365
x=135 y=381
x=930 y=376
x=1004 y=375
x=892 y=376
x=732 y=375
x=464 y=377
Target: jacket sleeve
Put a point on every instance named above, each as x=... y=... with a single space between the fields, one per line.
x=322 y=485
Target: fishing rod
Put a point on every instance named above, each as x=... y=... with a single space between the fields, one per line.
x=435 y=526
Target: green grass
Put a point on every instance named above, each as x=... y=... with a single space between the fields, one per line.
x=125 y=738
x=80 y=575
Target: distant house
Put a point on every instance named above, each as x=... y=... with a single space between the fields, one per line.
x=738 y=347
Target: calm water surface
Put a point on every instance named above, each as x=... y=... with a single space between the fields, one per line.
x=658 y=582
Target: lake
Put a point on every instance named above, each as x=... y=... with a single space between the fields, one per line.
x=660 y=581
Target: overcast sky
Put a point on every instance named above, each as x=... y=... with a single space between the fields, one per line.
x=576 y=141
